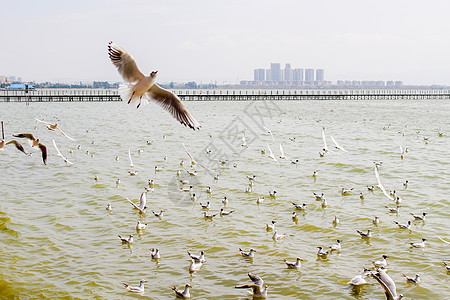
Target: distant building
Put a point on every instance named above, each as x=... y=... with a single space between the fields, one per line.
x=288 y=73
x=309 y=76
x=259 y=75
x=297 y=75
x=275 y=72
x=320 y=75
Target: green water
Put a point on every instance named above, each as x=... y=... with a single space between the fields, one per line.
x=59 y=242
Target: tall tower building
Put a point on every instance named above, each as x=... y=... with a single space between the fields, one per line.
x=288 y=73
x=309 y=76
x=320 y=75
x=275 y=72
x=259 y=75
x=297 y=75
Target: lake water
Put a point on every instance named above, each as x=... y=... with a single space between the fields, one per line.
x=59 y=242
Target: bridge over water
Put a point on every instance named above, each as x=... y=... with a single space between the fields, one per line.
x=98 y=95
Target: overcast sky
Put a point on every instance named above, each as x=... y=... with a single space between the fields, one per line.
x=223 y=41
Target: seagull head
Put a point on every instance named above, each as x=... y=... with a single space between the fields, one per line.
x=153 y=74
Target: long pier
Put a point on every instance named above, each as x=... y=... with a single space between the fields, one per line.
x=100 y=95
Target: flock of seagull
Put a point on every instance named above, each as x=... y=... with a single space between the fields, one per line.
x=141 y=88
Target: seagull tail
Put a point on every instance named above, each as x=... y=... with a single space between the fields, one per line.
x=126 y=94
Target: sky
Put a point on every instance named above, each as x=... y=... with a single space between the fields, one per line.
x=211 y=41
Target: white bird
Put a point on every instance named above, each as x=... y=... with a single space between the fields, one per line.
x=260 y=200
x=448 y=243
x=142 y=203
x=129 y=240
x=129 y=156
x=335 y=221
x=145 y=87
x=272 y=194
x=321 y=253
x=244 y=143
x=376 y=220
x=185 y=294
x=66 y=160
x=250 y=254
x=420 y=244
x=325 y=146
x=293 y=265
x=360 y=278
x=195 y=266
x=415 y=279
x=324 y=203
x=34 y=142
x=278 y=237
x=282 y=156
x=403 y=226
x=136 y=289
x=299 y=206
x=394 y=210
x=363 y=234
x=225 y=200
x=259 y=290
x=225 y=213
x=447 y=266
x=200 y=258
x=419 y=217
x=387 y=284
x=208 y=190
x=346 y=192
x=108 y=207
x=205 y=206
x=336 y=247
x=160 y=214
x=337 y=146
x=54 y=127
x=271 y=226
x=382 y=263
x=319 y=197
x=141 y=226
x=155 y=253
x=380 y=185
x=271 y=156
x=405 y=184
x=208 y=217
x=18 y=145
x=294 y=217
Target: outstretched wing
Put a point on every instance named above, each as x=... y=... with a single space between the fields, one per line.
x=18 y=145
x=124 y=63
x=256 y=279
x=46 y=123
x=173 y=104
x=65 y=134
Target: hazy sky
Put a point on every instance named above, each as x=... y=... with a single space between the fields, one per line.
x=223 y=41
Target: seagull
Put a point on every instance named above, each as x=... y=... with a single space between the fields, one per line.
x=415 y=279
x=448 y=243
x=376 y=220
x=136 y=289
x=447 y=266
x=250 y=254
x=299 y=206
x=142 y=203
x=225 y=200
x=346 y=192
x=259 y=290
x=420 y=244
x=260 y=200
x=405 y=184
x=322 y=253
x=325 y=147
x=127 y=240
x=403 y=226
x=182 y=294
x=294 y=217
x=155 y=253
x=364 y=235
x=394 y=210
x=272 y=194
x=244 y=143
x=205 y=206
x=225 y=213
x=54 y=127
x=160 y=214
x=387 y=283
x=282 y=152
x=336 y=220
x=18 y=145
x=145 y=87
x=269 y=132
x=108 y=207
x=377 y=175
x=319 y=197
x=200 y=258
x=324 y=203
x=131 y=161
x=337 y=146
x=419 y=217
x=271 y=226
x=251 y=178
x=278 y=237
x=195 y=266
x=293 y=265
x=382 y=263
x=66 y=160
x=208 y=217
x=271 y=156
x=209 y=190
x=360 y=278
x=34 y=143
x=141 y=226
x=336 y=247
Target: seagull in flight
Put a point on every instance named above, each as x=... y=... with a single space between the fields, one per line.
x=34 y=143
x=54 y=127
x=337 y=146
x=259 y=290
x=142 y=203
x=142 y=87
x=18 y=145
x=66 y=160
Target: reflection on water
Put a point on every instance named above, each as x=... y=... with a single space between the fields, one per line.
x=59 y=241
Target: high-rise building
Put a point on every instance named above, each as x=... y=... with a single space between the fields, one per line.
x=320 y=75
x=275 y=72
x=288 y=73
x=259 y=75
x=309 y=76
x=297 y=75
x=268 y=75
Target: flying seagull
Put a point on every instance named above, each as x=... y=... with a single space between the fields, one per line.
x=34 y=143
x=142 y=87
x=54 y=127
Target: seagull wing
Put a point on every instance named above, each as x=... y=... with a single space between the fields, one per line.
x=43 y=149
x=337 y=145
x=129 y=156
x=65 y=134
x=282 y=151
x=17 y=144
x=381 y=186
x=190 y=156
x=135 y=206
x=173 y=104
x=387 y=284
x=142 y=201
x=46 y=123
x=25 y=135
x=448 y=243
x=57 y=150
x=256 y=279
x=324 y=140
x=124 y=63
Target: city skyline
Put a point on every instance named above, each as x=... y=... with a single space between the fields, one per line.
x=217 y=41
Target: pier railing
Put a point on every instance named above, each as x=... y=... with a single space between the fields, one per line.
x=96 y=95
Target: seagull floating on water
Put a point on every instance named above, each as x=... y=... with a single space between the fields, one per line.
x=127 y=240
x=293 y=265
x=299 y=206
x=185 y=294
x=360 y=278
x=321 y=253
x=419 y=217
x=141 y=226
x=382 y=263
x=403 y=226
x=154 y=253
x=136 y=289
x=336 y=247
x=200 y=258
x=271 y=226
x=415 y=279
x=420 y=244
x=363 y=234
x=259 y=290
x=145 y=87
x=250 y=254
x=195 y=266
x=225 y=213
